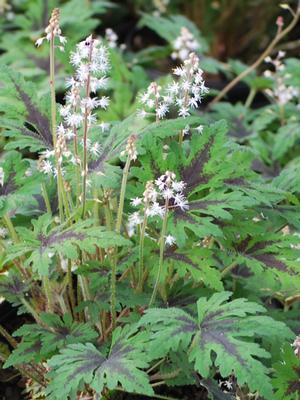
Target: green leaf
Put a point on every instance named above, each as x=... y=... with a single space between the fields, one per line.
x=285 y=139
x=169 y=28
x=26 y=118
x=222 y=336
x=286 y=379
x=80 y=364
x=43 y=243
x=18 y=190
x=40 y=342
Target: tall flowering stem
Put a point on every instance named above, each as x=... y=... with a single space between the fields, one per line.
x=141 y=254
x=86 y=128
x=149 y=196
x=90 y=60
x=53 y=31
x=131 y=155
x=165 y=189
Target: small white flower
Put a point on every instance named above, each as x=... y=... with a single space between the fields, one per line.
x=39 y=42
x=200 y=128
x=296 y=345
x=170 y=240
x=142 y=113
x=74 y=120
x=62 y=39
x=181 y=202
x=1 y=176
x=69 y=134
x=183 y=112
x=47 y=167
x=178 y=186
x=104 y=126
x=103 y=102
x=111 y=37
x=95 y=149
x=162 y=110
x=167 y=193
x=47 y=153
x=228 y=385
x=61 y=130
x=134 y=220
x=65 y=111
x=186 y=130
x=90 y=103
x=136 y=201
x=3 y=232
x=155 y=209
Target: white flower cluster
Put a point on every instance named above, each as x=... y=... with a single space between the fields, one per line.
x=184 y=45
x=185 y=93
x=3 y=232
x=281 y=93
x=111 y=38
x=53 y=30
x=91 y=66
x=165 y=193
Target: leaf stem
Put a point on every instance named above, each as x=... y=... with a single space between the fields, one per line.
x=250 y=98
x=122 y=195
x=48 y=294
x=71 y=288
x=141 y=253
x=228 y=268
x=11 y=228
x=46 y=198
x=31 y=310
x=8 y=337
x=118 y=230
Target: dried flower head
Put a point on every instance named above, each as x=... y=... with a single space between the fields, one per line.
x=53 y=30
x=130 y=149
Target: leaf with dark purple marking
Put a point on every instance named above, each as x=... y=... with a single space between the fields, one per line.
x=18 y=190
x=84 y=364
x=219 y=336
x=44 y=243
x=13 y=287
x=286 y=379
x=198 y=262
x=43 y=341
x=269 y=252
x=26 y=120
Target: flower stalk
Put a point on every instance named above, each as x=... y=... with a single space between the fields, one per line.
x=131 y=155
x=161 y=254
